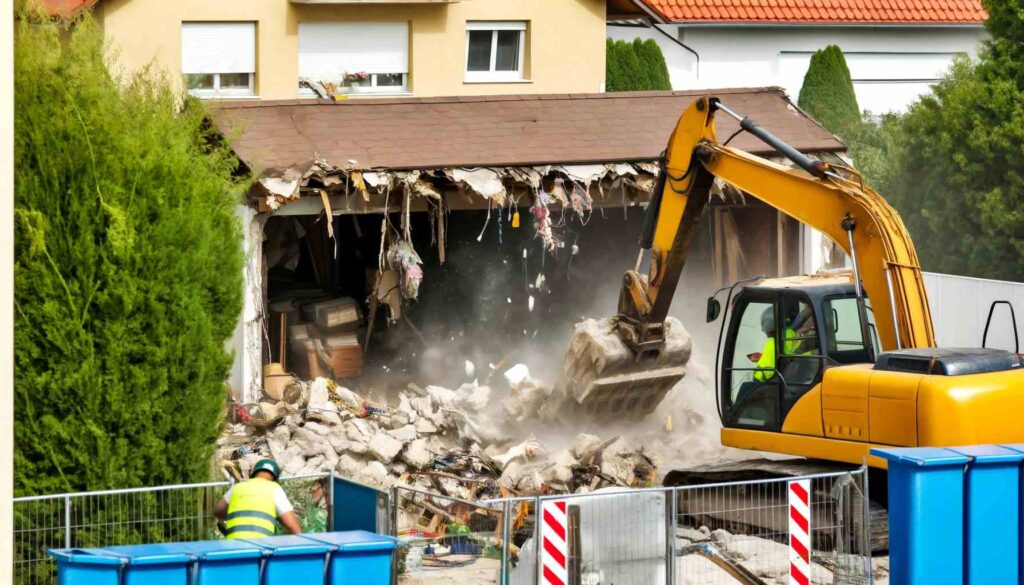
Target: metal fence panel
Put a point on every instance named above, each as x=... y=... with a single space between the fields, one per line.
x=740 y=532
x=136 y=516
x=448 y=540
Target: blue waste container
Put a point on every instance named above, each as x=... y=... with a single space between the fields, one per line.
x=1019 y=448
x=358 y=557
x=142 y=564
x=992 y=495
x=87 y=566
x=222 y=562
x=926 y=514
x=292 y=560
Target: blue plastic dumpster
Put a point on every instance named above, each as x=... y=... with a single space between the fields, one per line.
x=292 y=560
x=358 y=558
x=87 y=566
x=143 y=564
x=992 y=496
x=926 y=514
x=223 y=562
x=1019 y=448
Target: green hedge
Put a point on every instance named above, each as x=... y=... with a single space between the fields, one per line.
x=635 y=66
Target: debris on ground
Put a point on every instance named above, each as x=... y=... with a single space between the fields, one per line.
x=461 y=442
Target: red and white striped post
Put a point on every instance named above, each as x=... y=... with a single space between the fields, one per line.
x=800 y=532
x=554 y=538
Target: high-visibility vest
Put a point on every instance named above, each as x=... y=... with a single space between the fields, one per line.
x=766 y=365
x=251 y=511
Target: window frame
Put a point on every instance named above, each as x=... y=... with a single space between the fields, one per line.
x=372 y=89
x=217 y=92
x=491 y=75
x=829 y=336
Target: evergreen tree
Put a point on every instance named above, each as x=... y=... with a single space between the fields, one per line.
x=127 y=271
x=644 y=74
x=613 y=68
x=653 y=62
x=827 y=92
x=623 y=69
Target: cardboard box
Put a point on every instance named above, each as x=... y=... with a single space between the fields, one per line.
x=337 y=315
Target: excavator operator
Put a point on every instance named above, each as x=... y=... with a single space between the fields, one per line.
x=766 y=360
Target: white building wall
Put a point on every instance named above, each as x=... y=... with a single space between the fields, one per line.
x=890 y=66
x=246 y=377
x=960 y=307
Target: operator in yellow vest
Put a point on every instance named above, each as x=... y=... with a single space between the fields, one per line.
x=253 y=508
x=766 y=361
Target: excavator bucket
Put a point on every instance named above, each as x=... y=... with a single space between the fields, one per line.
x=602 y=378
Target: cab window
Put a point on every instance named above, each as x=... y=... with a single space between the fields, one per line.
x=751 y=383
x=800 y=362
x=844 y=335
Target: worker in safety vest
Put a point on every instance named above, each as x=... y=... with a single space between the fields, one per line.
x=766 y=361
x=253 y=508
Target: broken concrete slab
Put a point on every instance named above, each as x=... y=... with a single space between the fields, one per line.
x=384 y=447
x=404 y=434
x=417 y=455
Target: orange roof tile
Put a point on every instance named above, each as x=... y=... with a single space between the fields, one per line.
x=65 y=8
x=822 y=11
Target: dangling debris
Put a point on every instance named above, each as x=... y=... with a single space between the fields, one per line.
x=403 y=258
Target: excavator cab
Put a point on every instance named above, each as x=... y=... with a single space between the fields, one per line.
x=780 y=337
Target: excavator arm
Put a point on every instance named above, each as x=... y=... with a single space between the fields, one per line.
x=831 y=199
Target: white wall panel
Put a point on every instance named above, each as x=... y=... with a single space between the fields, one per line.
x=960 y=307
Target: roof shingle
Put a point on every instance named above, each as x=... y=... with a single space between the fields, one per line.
x=424 y=133
x=822 y=12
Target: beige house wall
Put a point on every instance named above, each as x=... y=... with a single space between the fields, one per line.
x=564 y=47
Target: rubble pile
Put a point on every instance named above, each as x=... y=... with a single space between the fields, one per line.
x=461 y=442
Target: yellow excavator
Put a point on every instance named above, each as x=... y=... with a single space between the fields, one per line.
x=823 y=367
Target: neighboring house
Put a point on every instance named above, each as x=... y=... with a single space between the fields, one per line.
x=895 y=50
x=263 y=48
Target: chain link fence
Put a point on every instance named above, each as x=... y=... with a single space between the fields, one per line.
x=137 y=516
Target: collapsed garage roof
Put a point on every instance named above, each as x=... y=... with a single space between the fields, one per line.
x=486 y=146
x=426 y=133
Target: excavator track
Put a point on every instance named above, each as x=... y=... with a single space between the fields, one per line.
x=741 y=509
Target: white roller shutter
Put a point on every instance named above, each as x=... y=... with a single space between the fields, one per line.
x=218 y=47
x=328 y=50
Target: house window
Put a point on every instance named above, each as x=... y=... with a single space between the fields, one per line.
x=495 y=51
x=218 y=59
x=353 y=57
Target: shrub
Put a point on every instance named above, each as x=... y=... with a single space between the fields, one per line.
x=127 y=271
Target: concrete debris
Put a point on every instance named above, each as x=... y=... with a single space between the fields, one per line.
x=458 y=441
x=384 y=447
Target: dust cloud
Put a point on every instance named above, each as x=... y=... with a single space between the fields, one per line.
x=501 y=299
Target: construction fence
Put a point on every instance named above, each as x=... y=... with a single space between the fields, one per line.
x=737 y=532
x=137 y=516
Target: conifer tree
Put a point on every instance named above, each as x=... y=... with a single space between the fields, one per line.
x=127 y=274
